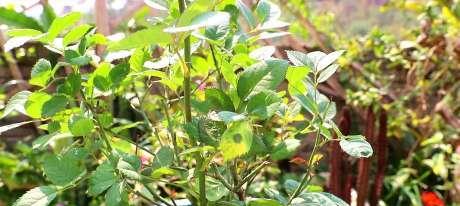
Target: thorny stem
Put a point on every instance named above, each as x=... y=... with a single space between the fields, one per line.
x=200 y=173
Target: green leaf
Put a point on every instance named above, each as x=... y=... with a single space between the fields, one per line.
x=41 y=73
x=265 y=75
x=247 y=13
x=263 y=202
x=164 y=157
x=41 y=142
x=216 y=32
x=129 y=166
x=138 y=58
x=262 y=53
x=101 y=179
x=328 y=72
x=116 y=195
x=100 y=77
x=54 y=105
x=307 y=102
x=290 y=185
x=318 y=199
x=207 y=19
x=74 y=58
x=327 y=60
x=162 y=171
x=236 y=140
x=267 y=11
x=65 y=169
x=264 y=105
x=38 y=196
x=80 y=125
x=295 y=77
x=228 y=117
x=218 y=100
x=19 y=20
x=12 y=126
x=327 y=109
x=47 y=17
x=142 y=38
x=285 y=149
x=118 y=73
x=75 y=34
x=215 y=190
x=23 y=33
x=300 y=59
x=71 y=85
x=315 y=57
x=60 y=24
x=228 y=73
x=16 y=103
x=194 y=9
x=35 y=102
x=356 y=146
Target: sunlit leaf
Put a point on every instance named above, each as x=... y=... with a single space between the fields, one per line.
x=236 y=140
x=356 y=146
x=38 y=196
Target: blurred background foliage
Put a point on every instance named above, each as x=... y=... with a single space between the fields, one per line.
x=402 y=59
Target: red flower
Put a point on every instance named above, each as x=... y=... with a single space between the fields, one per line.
x=431 y=199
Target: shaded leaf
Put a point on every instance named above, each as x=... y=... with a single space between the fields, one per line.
x=285 y=149
x=65 y=169
x=101 y=179
x=265 y=75
x=54 y=105
x=218 y=100
x=116 y=195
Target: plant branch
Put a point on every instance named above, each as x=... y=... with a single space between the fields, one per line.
x=200 y=173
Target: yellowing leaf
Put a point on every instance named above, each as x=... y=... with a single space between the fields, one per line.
x=236 y=140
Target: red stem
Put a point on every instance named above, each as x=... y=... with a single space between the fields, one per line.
x=336 y=160
x=381 y=144
x=364 y=163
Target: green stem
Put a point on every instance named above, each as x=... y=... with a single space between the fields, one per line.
x=101 y=128
x=216 y=64
x=200 y=173
x=308 y=174
x=171 y=131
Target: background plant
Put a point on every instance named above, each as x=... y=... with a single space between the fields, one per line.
x=186 y=106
